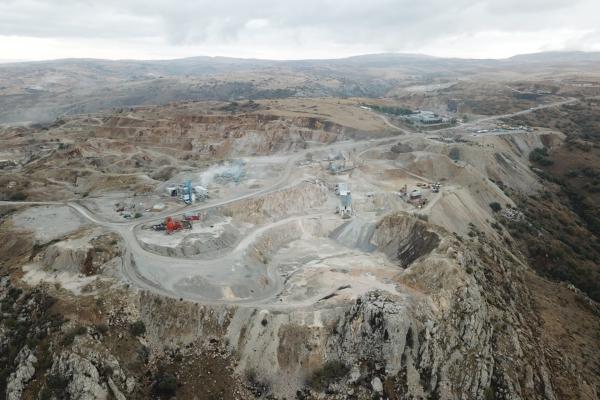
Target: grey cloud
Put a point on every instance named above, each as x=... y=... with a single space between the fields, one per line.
x=386 y=23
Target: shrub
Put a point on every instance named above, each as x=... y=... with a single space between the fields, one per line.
x=55 y=387
x=137 y=328
x=165 y=383
x=57 y=382
x=256 y=385
x=102 y=328
x=330 y=372
x=539 y=155
x=17 y=196
x=454 y=154
x=70 y=335
x=143 y=354
x=14 y=293
x=495 y=206
x=79 y=330
x=392 y=110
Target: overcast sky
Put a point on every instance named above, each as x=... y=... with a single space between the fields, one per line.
x=285 y=29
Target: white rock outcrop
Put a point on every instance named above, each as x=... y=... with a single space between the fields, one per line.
x=24 y=372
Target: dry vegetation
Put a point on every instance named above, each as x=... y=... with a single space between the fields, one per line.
x=570 y=208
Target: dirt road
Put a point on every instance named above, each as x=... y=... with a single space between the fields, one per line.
x=221 y=280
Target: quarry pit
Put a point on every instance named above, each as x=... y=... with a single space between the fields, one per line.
x=286 y=242
x=298 y=229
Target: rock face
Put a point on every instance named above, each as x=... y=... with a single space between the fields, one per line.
x=82 y=375
x=404 y=239
x=86 y=254
x=67 y=255
x=377 y=385
x=434 y=340
x=421 y=350
x=459 y=330
x=280 y=204
x=225 y=136
x=115 y=390
x=24 y=372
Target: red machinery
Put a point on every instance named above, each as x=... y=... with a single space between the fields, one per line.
x=192 y=217
x=173 y=225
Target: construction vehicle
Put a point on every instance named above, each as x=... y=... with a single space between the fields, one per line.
x=435 y=188
x=173 y=225
x=192 y=217
x=159 y=227
x=403 y=191
x=418 y=202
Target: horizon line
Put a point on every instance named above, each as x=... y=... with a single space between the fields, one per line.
x=423 y=55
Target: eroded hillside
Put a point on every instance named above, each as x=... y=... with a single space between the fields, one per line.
x=330 y=252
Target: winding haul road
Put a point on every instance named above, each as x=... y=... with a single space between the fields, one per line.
x=206 y=280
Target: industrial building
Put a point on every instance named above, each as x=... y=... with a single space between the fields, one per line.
x=345 y=207
x=187 y=193
x=425 y=117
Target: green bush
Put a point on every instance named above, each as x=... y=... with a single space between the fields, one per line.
x=495 y=206
x=539 y=156
x=392 y=110
x=137 y=328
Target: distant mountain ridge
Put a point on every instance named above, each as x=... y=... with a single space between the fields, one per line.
x=549 y=56
x=558 y=56
x=44 y=90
